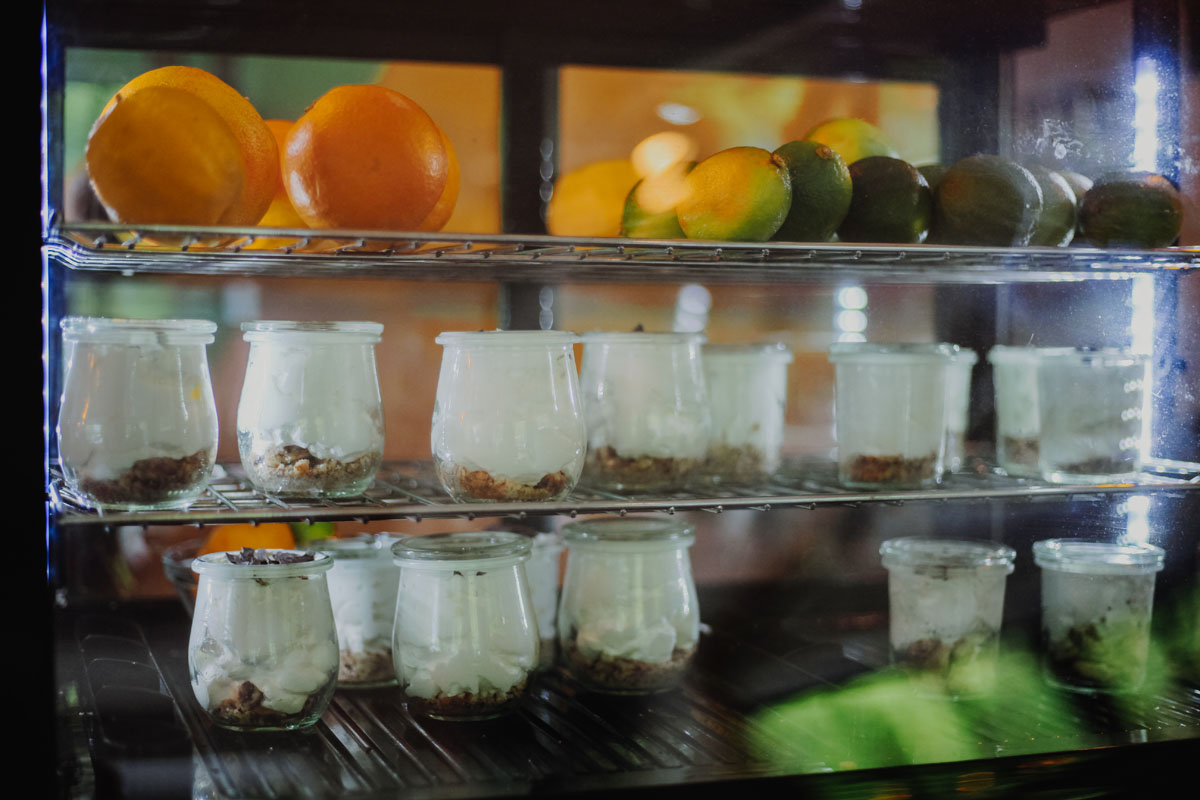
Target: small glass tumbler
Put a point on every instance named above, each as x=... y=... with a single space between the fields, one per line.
x=363 y=584
x=1092 y=431
x=1018 y=423
x=508 y=419
x=263 y=651
x=958 y=405
x=646 y=406
x=946 y=604
x=466 y=637
x=137 y=428
x=747 y=394
x=1097 y=600
x=890 y=413
x=310 y=420
x=629 y=619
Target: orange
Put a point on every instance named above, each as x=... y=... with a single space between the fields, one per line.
x=164 y=156
x=440 y=215
x=365 y=157
x=259 y=154
x=281 y=213
x=224 y=538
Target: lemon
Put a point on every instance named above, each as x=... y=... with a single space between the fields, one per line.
x=821 y=192
x=852 y=138
x=740 y=194
x=587 y=201
x=650 y=207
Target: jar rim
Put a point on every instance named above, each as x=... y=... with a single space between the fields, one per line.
x=364 y=547
x=891 y=353
x=630 y=530
x=122 y=330
x=462 y=546
x=1019 y=354
x=1093 y=357
x=962 y=355
x=217 y=565
x=501 y=338
x=777 y=351
x=644 y=337
x=914 y=551
x=1105 y=558
x=351 y=332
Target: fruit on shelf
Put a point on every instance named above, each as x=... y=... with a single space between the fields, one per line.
x=891 y=202
x=852 y=138
x=439 y=215
x=365 y=157
x=1131 y=209
x=588 y=200
x=165 y=156
x=986 y=200
x=649 y=211
x=1055 y=226
x=228 y=538
x=821 y=192
x=740 y=194
x=258 y=155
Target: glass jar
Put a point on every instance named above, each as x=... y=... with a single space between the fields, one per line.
x=629 y=619
x=1018 y=437
x=466 y=637
x=363 y=584
x=890 y=413
x=747 y=393
x=1097 y=600
x=310 y=420
x=946 y=604
x=1092 y=432
x=263 y=651
x=958 y=405
x=542 y=569
x=646 y=407
x=508 y=419
x=137 y=428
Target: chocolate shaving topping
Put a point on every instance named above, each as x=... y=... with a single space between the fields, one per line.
x=639 y=328
x=261 y=556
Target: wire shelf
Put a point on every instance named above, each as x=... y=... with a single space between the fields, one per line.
x=410 y=490
x=549 y=259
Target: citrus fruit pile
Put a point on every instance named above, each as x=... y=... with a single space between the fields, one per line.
x=177 y=145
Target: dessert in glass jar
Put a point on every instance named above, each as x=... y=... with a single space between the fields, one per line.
x=747 y=393
x=646 y=407
x=946 y=604
x=1097 y=601
x=1018 y=437
x=263 y=651
x=363 y=584
x=466 y=639
x=137 y=428
x=629 y=619
x=890 y=413
x=310 y=420
x=958 y=405
x=508 y=419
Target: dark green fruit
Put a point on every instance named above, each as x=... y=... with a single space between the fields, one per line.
x=891 y=202
x=1056 y=224
x=987 y=200
x=933 y=174
x=821 y=192
x=1131 y=209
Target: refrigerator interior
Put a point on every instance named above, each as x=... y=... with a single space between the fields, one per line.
x=793 y=687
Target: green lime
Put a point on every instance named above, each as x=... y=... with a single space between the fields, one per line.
x=852 y=138
x=740 y=194
x=891 y=202
x=821 y=191
x=650 y=207
x=1056 y=224
x=1131 y=209
x=987 y=200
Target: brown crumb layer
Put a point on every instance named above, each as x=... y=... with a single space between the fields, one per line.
x=1021 y=450
x=467 y=704
x=735 y=463
x=290 y=468
x=482 y=485
x=607 y=466
x=892 y=469
x=1097 y=466
x=151 y=480
x=627 y=674
x=366 y=667
x=246 y=709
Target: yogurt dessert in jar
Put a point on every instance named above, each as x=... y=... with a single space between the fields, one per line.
x=542 y=570
x=646 y=406
x=1090 y=416
x=1097 y=602
x=747 y=393
x=958 y=405
x=310 y=420
x=263 y=651
x=465 y=640
x=1018 y=425
x=363 y=584
x=629 y=619
x=946 y=605
x=890 y=413
x=508 y=419
x=137 y=427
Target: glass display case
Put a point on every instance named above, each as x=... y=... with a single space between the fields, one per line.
x=564 y=128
